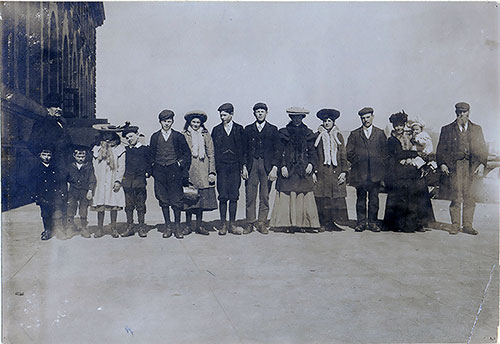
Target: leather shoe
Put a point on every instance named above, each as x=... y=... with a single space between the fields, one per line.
x=98 y=233
x=373 y=227
x=234 y=230
x=167 y=232
x=359 y=227
x=470 y=230
x=46 y=235
x=178 y=231
x=262 y=228
x=202 y=231
x=223 y=229
x=248 y=228
x=453 y=229
x=186 y=230
x=114 y=233
x=142 y=232
x=128 y=232
x=322 y=229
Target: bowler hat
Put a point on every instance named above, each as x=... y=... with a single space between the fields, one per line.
x=201 y=115
x=226 y=107
x=328 y=113
x=462 y=107
x=258 y=106
x=365 y=110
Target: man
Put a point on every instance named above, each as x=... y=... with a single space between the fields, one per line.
x=461 y=156
x=367 y=152
x=171 y=161
x=51 y=129
x=260 y=168
x=229 y=142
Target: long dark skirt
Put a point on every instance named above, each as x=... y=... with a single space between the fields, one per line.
x=408 y=207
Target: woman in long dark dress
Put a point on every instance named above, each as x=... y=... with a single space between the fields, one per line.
x=294 y=207
x=408 y=206
x=330 y=187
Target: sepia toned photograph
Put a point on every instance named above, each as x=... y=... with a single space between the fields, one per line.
x=250 y=172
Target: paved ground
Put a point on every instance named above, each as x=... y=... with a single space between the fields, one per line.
x=280 y=288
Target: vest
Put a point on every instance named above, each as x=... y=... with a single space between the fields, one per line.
x=463 y=144
x=165 y=151
x=228 y=147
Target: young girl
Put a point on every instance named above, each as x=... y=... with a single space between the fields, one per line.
x=109 y=166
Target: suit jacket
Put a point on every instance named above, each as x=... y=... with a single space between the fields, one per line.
x=367 y=156
x=447 y=153
x=270 y=139
x=181 y=150
x=238 y=143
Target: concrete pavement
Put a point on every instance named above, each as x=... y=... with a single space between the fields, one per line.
x=341 y=287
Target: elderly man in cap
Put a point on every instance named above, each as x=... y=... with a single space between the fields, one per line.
x=171 y=159
x=461 y=155
x=260 y=168
x=367 y=153
x=51 y=129
x=229 y=142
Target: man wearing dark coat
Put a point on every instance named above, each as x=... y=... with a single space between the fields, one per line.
x=260 y=168
x=461 y=155
x=229 y=149
x=51 y=129
x=171 y=159
x=367 y=153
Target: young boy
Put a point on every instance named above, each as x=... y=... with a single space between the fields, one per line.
x=137 y=169
x=81 y=178
x=49 y=191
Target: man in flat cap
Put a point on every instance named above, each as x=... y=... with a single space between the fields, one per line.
x=367 y=153
x=229 y=142
x=260 y=168
x=171 y=159
x=461 y=155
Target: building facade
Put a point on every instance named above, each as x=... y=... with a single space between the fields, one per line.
x=47 y=47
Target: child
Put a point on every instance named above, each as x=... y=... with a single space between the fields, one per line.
x=137 y=169
x=49 y=192
x=109 y=166
x=424 y=139
x=82 y=182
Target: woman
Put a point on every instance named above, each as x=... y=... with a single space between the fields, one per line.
x=202 y=170
x=294 y=207
x=109 y=166
x=330 y=186
x=408 y=206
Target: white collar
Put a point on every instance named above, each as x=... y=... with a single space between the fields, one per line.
x=44 y=164
x=137 y=145
x=166 y=134
x=228 y=127
x=466 y=126
x=78 y=165
x=260 y=126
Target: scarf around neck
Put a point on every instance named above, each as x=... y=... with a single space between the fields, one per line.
x=106 y=153
x=330 y=144
x=198 y=143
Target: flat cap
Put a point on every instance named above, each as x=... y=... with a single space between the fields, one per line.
x=398 y=118
x=462 y=106
x=195 y=114
x=226 y=107
x=295 y=110
x=53 y=100
x=328 y=113
x=260 y=106
x=166 y=114
x=365 y=110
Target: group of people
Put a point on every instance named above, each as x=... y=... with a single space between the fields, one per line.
x=310 y=171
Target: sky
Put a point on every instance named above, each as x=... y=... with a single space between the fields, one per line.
x=420 y=57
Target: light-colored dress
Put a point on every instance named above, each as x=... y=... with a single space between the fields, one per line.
x=104 y=197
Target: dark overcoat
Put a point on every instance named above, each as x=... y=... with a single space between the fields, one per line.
x=447 y=153
x=367 y=156
x=296 y=152
x=270 y=142
x=327 y=176
x=50 y=130
x=181 y=150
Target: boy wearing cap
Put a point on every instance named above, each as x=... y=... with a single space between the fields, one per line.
x=82 y=182
x=137 y=169
x=367 y=153
x=461 y=155
x=49 y=191
x=229 y=142
x=171 y=159
x=260 y=168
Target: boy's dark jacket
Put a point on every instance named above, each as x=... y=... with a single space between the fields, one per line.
x=49 y=184
x=83 y=178
x=137 y=163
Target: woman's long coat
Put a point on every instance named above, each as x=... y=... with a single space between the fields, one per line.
x=104 y=194
x=201 y=168
x=327 y=176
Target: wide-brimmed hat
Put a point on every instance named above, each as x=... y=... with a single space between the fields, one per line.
x=328 y=113
x=195 y=114
x=107 y=127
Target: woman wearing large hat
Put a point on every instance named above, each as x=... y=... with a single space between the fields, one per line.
x=330 y=188
x=202 y=170
x=109 y=166
x=294 y=207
